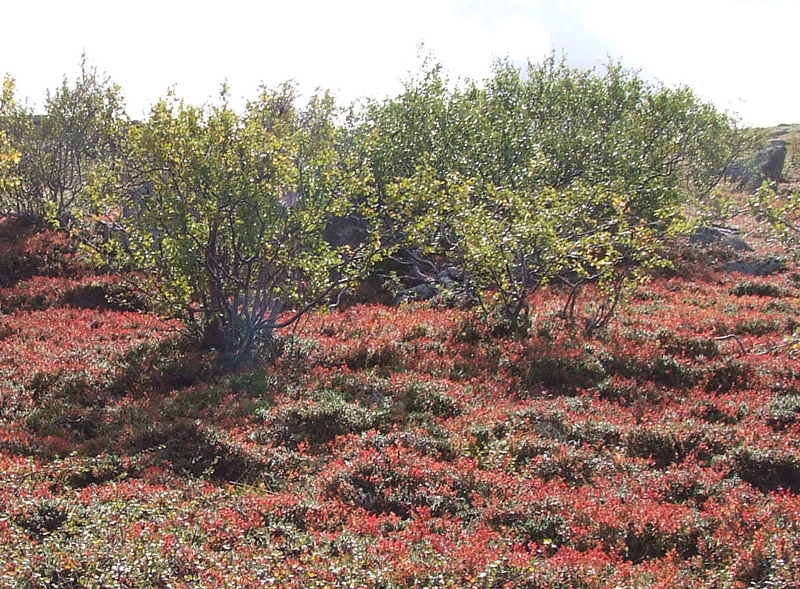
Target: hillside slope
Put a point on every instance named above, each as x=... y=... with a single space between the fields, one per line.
x=396 y=447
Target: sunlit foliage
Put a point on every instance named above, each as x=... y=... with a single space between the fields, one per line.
x=58 y=150
x=227 y=213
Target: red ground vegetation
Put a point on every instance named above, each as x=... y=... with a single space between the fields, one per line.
x=395 y=447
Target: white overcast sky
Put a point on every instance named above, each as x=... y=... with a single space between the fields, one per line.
x=740 y=54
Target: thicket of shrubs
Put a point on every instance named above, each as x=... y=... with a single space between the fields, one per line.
x=241 y=221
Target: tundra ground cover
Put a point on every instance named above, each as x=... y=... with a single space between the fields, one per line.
x=395 y=447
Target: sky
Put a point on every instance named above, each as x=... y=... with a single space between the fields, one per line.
x=738 y=54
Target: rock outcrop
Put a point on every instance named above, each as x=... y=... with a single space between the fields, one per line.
x=766 y=165
x=726 y=236
x=761 y=267
x=448 y=278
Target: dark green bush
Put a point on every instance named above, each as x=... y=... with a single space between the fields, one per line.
x=386 y=356
x=104 y=295
x=626 y=392
x=760 y=289
x=687 y=346
x=43 y=519
x=96 y=470
x=435 y=444
x=760 y=326
x=784 y=411
x=663 y=447
x=730 y=374
x=549 y=528
x=768 y=471
x=317 y=422
x=203 y=451
x=192 y=402
x=427 y=398
x=670 y=371
x=561 y=372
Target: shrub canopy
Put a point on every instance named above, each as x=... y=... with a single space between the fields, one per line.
x=537 y=174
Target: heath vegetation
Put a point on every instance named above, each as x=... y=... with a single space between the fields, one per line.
x=202 y=383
